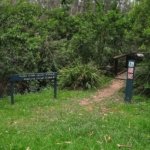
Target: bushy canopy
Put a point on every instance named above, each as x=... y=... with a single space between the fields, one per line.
x=36 y=39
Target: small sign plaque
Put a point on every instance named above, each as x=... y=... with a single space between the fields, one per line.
x=130 y=70
x=130 y=76
x=131 y=64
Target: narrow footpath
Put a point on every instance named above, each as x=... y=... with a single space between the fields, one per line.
x=117 y=84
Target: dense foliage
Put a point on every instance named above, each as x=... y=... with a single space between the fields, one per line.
x=140 y=30
x=85 y=76
x=36 y=39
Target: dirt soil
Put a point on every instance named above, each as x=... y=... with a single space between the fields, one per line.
x=107 y=92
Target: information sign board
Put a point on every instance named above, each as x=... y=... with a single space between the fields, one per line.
x=32 y=76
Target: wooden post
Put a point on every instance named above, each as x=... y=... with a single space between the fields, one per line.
x=116 y=60
x=12 y=92
x=116 y=67
x=55 y=85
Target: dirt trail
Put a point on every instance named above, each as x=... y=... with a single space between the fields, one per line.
x=109 y=91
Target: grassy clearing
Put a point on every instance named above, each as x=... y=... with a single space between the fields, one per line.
x=38 y=122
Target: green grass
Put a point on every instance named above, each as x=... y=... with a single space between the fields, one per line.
x=38 y=122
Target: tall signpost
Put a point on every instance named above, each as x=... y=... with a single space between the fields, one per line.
x=129 y=81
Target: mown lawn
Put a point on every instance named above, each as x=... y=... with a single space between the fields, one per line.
x=38 y=122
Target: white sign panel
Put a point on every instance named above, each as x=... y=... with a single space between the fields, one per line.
x=131 y=64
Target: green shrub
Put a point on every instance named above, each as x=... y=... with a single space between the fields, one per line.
x=81 y=77
x=142 y=81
